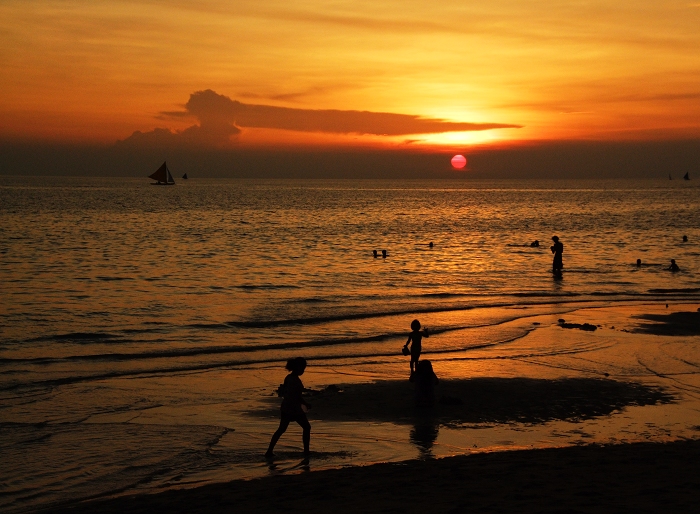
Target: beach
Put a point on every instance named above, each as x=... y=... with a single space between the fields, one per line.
x=149 y=370
x=640 y=477
x=660 y=476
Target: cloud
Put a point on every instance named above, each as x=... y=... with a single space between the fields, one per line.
x=220 y=118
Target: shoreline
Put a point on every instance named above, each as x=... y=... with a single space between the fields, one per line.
x=563 y=390
x=638 y=477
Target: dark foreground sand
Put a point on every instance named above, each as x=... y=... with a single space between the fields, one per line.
x=643 y=477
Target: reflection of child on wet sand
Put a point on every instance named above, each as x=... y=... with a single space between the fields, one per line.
x=415 y=338
x=425 y=380
x=293 y=406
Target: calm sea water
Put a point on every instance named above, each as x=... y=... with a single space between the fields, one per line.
x=120 y=299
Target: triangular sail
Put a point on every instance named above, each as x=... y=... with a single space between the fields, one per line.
x=161 y=174
x=686 y=176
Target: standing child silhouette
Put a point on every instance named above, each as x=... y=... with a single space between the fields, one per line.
x=415 y=338
x=292 y=408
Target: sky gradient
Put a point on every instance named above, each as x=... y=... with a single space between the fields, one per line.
x=422 y=76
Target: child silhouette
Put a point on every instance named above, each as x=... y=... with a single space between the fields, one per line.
x=292 y=408
x=415 y=338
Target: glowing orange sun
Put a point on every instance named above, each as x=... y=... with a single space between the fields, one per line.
x=459 y=162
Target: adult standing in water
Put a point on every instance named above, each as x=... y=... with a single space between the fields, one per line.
x=293 y=406
x=557 y=249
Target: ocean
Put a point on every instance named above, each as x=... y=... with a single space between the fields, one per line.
x=142 y=328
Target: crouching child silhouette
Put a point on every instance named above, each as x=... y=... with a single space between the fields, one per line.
x=425 y=380
x=293 y=405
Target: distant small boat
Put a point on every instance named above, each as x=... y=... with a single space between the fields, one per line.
x=185 y=176
x=686 y=176
x=162 y=176
x=669 y=177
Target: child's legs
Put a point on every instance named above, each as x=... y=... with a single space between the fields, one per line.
x=284 y=423
x=306 y=427
x=414 y=361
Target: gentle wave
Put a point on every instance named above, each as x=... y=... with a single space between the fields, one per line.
x=171 y=370
x=77 y=336
x=547 y=299
x=254 y=287
x=301 y=345
x=688 y=290
x=538 y=299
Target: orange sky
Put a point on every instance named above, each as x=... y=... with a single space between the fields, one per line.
x=87 y=71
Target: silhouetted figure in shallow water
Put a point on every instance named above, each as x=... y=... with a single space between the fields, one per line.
x=535 y=244
x=557 y=249
x=374 y=252
x=383 y=254
x=430 y=244
x=425 y=380
x=685 y=239
x=293 y=406
x=673 y=267
x=415 y=338
x=639 y=263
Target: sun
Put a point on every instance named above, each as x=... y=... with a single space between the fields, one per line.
x=459 y=162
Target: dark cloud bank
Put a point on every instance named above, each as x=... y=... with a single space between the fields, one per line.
x=209 y=148
x=221 y=118
x=220 y=121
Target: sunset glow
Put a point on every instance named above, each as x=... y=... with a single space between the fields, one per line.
x=97 y=72
x=465 y=231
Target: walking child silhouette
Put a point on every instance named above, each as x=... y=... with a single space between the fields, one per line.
x=293 y=406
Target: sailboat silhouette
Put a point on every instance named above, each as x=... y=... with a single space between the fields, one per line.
x=162 y=176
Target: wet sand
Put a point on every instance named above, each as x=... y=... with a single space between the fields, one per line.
x=635 y=477
x=643 y=477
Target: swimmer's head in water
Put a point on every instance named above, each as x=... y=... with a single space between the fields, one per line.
x=415 y=325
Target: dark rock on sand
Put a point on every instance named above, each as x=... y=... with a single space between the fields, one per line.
x=580 y=326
